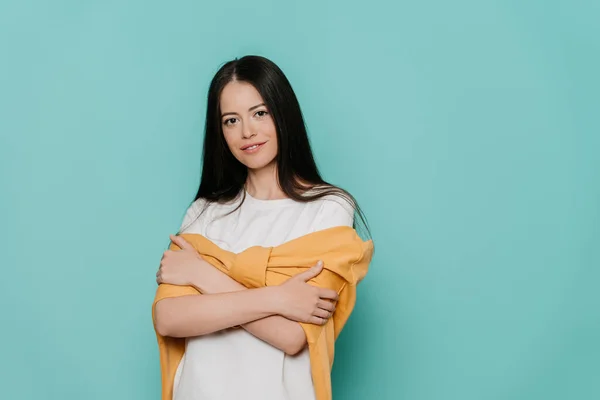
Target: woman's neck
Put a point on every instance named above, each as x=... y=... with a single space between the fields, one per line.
x=263 y=184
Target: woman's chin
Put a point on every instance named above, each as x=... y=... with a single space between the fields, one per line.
x=257 y=165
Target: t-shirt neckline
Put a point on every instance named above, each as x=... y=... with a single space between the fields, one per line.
x=253 y=201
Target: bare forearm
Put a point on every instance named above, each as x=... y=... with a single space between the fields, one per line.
x=279 y=332
x=188 y=316
x=276 y=330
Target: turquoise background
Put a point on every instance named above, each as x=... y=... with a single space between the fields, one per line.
x=468 y=131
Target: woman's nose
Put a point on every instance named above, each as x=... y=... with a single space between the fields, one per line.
x=247 y=132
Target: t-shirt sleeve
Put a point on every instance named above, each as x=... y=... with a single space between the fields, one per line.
x=334 y=211
x=191 y=214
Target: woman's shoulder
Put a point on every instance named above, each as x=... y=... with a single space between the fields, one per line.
x=198 y=212
x=331 y=195
x=335 y=207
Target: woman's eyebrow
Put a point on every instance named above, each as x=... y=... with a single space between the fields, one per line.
x=250 y=109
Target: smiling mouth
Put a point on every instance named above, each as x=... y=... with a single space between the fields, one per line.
x=253 y=146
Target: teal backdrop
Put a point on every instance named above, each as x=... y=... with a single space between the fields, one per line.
x=468 y=131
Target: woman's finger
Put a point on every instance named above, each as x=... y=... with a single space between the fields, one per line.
x=316 y=320
x=328 y=294
x=311 y=272
x=181 y=242
x=319 y=312
x=326 y=305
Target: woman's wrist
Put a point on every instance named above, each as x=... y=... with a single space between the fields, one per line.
x=199 y=277
x=273 y=294
x=209 y=280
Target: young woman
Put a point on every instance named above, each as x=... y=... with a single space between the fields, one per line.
x=259 y=187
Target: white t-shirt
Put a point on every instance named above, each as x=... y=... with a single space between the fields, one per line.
x=260 y=371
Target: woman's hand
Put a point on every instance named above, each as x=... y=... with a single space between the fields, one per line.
x=179 y=267
x=302 y=302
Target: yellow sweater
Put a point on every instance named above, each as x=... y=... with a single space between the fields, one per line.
x=346 y=258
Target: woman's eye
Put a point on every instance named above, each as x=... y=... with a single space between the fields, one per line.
x=263 y=113
x=229 y=121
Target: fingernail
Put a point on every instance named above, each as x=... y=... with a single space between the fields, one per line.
x=319 y=263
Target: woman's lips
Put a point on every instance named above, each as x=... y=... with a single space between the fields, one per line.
x=254 y=148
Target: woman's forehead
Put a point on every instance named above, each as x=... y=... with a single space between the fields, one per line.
x=239 y=96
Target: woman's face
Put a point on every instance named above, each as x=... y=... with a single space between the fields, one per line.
x=247 y=124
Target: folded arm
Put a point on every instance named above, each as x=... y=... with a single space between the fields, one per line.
x=271 y=313
x=278 y=331
x=195 y=315
x=226 y=303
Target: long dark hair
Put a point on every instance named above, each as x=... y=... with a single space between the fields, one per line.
x=223 y=176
